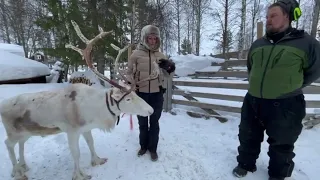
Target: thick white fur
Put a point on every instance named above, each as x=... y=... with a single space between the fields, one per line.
x=75 y=110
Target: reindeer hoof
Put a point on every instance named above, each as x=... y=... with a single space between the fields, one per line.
x=18 y=172
x=99 y=161
x=22 y=178
x=24 y=167
x=86 y=177
x=81 y=176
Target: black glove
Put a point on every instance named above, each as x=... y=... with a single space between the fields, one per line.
x=167 y=65
x=162 y=90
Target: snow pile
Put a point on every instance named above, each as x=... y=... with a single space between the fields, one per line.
x=55 y=72
x=88 y=75
x=240 y=68
x=57 y=67
x=12 y=48
x=14 y=67
x=210 y=69
x=188 y=64
x=317 y=113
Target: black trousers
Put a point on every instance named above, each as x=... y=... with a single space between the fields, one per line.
x=282 y=120
x=149 y=135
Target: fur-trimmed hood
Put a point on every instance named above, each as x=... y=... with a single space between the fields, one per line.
x=147 y=30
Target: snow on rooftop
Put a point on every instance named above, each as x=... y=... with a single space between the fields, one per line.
x=188 y=64
x=12 y=48
x=13 y=67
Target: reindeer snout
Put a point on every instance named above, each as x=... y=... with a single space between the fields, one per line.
x=150 y=111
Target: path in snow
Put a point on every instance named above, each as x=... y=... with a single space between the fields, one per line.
x=189 y=149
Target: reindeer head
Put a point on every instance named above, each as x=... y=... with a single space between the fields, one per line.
x=123 y=93
x=129 y=102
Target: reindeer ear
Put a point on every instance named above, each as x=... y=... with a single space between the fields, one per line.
x=123 y=84
x=116 y=94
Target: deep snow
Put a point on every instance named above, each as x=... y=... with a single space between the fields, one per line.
x=189 y=149
x=188 y=64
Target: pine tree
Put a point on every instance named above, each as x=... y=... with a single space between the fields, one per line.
x=186 y=47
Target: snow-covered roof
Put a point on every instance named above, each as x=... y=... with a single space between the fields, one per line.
x=14 y=67
x=13 y=48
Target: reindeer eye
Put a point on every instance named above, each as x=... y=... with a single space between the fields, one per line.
x=128 y=99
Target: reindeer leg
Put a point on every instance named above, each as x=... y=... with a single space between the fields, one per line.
x=17 y=172
x=95 y=159
x=22 y=162
x=73 y=141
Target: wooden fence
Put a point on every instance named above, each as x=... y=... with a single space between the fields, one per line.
x=225 y=69
x=211 y=109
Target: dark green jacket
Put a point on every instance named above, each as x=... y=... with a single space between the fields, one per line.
x=282 y=69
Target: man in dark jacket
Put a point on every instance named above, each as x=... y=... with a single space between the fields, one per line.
x=280 y=64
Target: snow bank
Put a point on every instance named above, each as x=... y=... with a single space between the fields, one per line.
x=210 y=69
x=12 y=48
x=13 y=66
x=188 y=64
x=55 y=72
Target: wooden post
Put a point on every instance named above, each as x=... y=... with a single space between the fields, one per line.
x=169 y=92
x=259 y=29
x=165 y=96
x=129 y=51
x=167 y=103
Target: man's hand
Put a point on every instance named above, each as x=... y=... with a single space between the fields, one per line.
x=167 y=65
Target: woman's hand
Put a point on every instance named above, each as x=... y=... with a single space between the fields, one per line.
x=167 y=65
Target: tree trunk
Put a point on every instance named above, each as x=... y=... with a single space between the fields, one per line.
x=297 y=23
x=133 y=21
x=192 y=24
x=94 y=19
x=242 y=28
x=225 y=31
x=253 y=20
x=5 y=22
x=198 y=27
x=315 y=18
x=178 y=26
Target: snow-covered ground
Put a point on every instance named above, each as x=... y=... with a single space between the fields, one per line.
x=189 y=148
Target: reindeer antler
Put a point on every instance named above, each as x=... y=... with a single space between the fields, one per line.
x=120 y=51
x=86 y=53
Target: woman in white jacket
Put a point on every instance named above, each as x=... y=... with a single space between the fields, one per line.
x=152 y=91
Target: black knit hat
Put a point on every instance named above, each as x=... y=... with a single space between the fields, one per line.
x=288 y=6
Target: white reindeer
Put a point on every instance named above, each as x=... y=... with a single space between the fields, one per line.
x=75 y=110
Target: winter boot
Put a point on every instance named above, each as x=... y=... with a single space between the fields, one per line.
x=142 y=152
x=240 y=172
x=154 y=156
